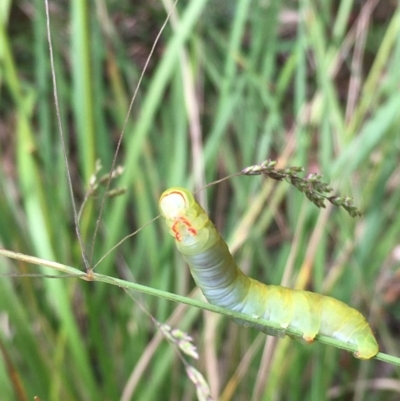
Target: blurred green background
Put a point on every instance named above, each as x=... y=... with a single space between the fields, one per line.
x=230 y=83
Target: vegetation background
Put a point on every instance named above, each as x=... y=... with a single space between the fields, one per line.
x=309 y=83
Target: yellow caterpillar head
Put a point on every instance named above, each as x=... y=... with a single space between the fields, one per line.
x=175 y=202
x=186 y=219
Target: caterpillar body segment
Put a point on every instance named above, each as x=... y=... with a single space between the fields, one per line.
x=224 y=284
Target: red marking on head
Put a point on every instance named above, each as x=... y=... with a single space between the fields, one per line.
x=192 y=230
x=177 y=192
x=185 y=222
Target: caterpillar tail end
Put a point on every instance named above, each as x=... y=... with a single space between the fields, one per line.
x=367 y=348
x=367 y=354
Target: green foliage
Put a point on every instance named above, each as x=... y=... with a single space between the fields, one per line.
x=306 y=83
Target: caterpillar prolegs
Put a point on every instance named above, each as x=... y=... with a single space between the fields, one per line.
x=224 y=284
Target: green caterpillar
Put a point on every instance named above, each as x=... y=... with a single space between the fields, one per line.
x=224 y=284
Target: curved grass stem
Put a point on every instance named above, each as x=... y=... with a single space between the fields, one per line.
x=181 y=299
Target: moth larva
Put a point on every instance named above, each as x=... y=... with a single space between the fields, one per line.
x=224 y=284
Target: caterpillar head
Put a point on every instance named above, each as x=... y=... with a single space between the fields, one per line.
x=185 y=219
x=175 y=202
